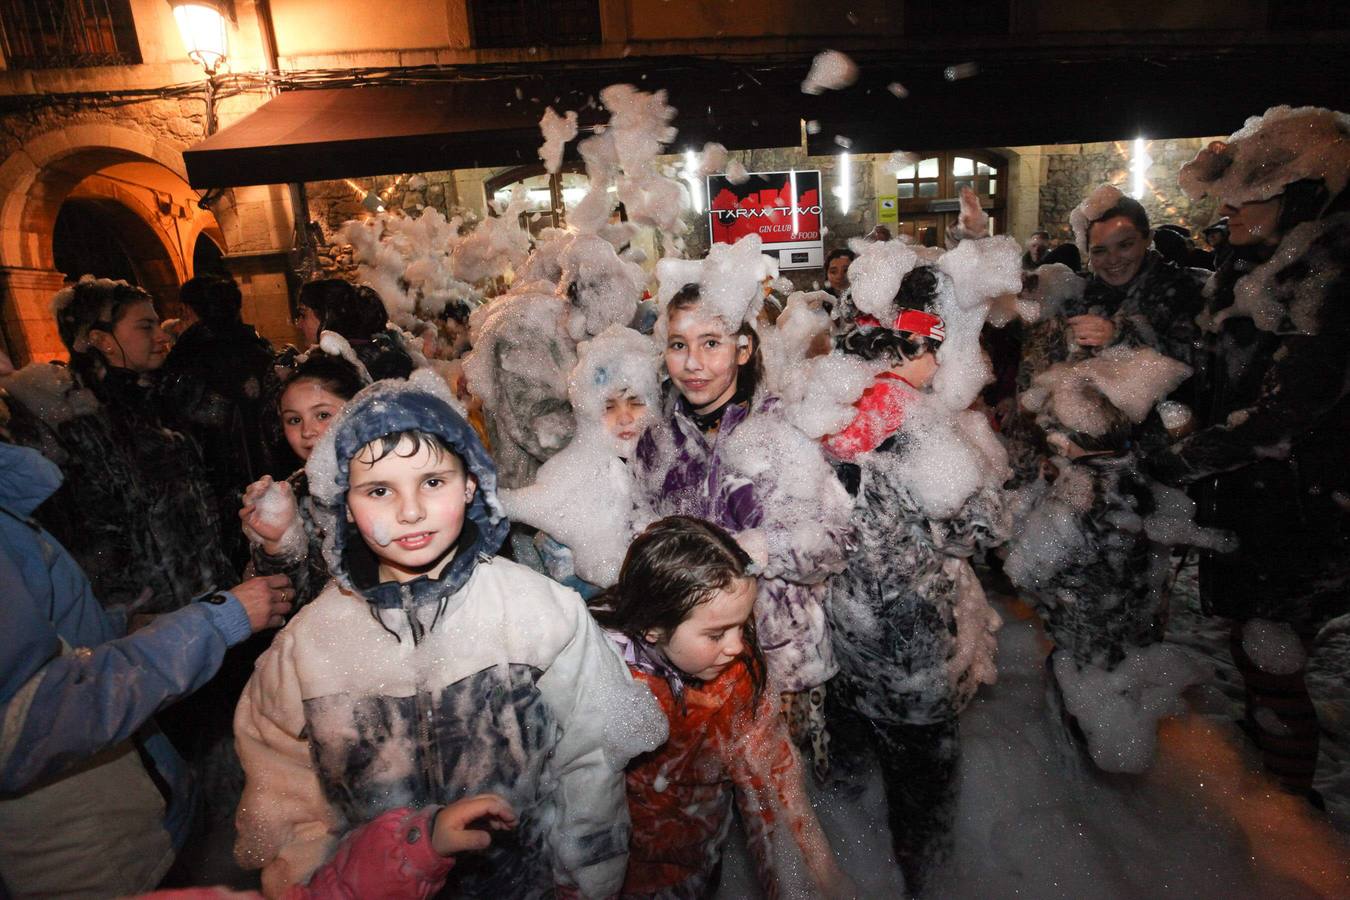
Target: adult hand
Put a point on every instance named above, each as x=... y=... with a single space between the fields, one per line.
x=266 y=599
x=486 y=812
x=974 y=221
x=1092 y=331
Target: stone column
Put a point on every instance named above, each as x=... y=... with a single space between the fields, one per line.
x=257 y=225
x=29 y=328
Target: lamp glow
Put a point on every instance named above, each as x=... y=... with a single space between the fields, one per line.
x=202 y=26
x=1139 y=163
x=691 y=175
x=845 y=189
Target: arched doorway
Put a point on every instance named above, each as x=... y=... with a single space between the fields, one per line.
x=105 y=200
x=549 y=194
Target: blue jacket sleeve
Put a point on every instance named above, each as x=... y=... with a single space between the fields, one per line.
x=62 y=705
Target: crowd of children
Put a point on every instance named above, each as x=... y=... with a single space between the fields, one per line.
x=666 y=578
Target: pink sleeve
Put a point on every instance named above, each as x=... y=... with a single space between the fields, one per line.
x=389 y=857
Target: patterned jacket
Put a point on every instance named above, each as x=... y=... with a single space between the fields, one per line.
x=757 y=473
x=135 y=508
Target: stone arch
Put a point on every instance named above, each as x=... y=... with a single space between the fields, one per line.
x=41 y=175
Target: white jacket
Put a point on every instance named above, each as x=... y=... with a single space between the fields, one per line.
x=513 y=689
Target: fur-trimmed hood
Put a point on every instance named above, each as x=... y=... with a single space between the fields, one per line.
x=422 y=403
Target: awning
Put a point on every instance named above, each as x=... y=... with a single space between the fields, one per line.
x=320 y=134
x=1018 y=96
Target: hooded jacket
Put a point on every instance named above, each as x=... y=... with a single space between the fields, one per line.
x=769 y=486
x=487 y=678
x=79 y=813
x=913 y=632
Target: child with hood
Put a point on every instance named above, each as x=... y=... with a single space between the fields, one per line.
x=582 y=497
x=913 y=632
x=430 y=670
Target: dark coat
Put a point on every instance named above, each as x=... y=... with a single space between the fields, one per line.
x=135 y=508
x=211 y=388
x=1272 y=463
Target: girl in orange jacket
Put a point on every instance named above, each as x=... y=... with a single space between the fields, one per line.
x=682 y=615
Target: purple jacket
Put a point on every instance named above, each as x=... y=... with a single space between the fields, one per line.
x=757 y=474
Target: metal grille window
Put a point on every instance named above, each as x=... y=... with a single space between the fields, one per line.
x=59 y=34
x=525 y=23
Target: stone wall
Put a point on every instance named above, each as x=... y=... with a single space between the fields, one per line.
x=1072 y=171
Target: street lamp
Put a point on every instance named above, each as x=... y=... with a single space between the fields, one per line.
x=202 y=26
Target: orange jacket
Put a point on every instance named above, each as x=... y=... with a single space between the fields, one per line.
x=723 y=745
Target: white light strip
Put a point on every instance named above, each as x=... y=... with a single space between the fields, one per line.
x=1138 y=168
x=845 y=183
x=691 y=175
x=792 y=174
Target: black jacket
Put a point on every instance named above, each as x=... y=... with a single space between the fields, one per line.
x=1274 y=462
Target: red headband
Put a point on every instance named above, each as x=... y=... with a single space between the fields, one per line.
x=914 y=321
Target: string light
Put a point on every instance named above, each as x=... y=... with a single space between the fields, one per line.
x=691 y=175
x=845 y=189
x=1139 y=163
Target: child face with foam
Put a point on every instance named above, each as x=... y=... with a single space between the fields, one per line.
x=409 y=504
x=624 y=418
x=703 y=357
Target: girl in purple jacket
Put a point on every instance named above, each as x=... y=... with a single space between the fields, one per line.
x=722 y=451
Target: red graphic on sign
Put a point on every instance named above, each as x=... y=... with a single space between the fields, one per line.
x=764 y=206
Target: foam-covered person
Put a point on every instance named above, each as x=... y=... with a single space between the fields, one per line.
x=431 y=669
x=723 y=450
x=1269 y=457
x=913 y=632
x=582 y=497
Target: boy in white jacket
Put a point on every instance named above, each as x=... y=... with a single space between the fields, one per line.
x=429 y=670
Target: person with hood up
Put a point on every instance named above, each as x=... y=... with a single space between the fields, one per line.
x=723 y=451
x=913 y=632
x=582 y=497
x=211 y=384
x=431 y=669
x=1270 y=461
x=95 y=800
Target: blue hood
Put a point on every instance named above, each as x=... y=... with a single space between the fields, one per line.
x=422 y=403
x=27 y=478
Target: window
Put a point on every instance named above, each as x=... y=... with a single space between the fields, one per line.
x=59 y=34
x=525 y=23
x=928 y=191
x=549 y=195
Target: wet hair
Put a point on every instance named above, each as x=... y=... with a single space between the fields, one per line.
x=1044 y=234
x=1119 y=434
x=918 y=290
x=386 y=444
x=1128 y=207
x=749 y=375
x=676 y=564
x=1172 y=245
x=1303 y=201
x=353 y=311
x=336 y=375
x=215 y=299
x=838 y=252
x=94 y=304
